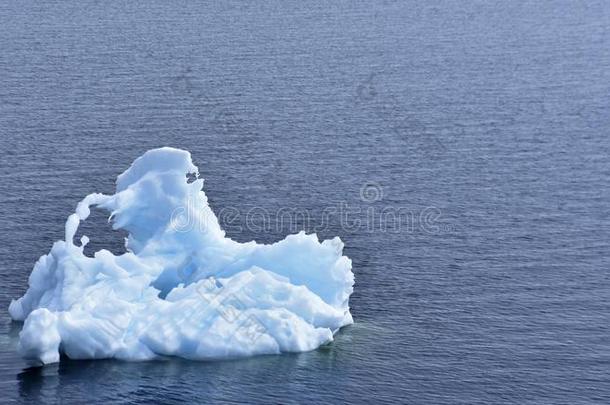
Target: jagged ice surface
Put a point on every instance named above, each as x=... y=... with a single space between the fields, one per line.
x=183 y=288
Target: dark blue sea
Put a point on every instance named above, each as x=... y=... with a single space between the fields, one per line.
x=461 y=150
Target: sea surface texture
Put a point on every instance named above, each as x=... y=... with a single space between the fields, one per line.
x=460 y=149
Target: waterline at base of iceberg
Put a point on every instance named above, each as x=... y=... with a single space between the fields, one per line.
x=191 y=293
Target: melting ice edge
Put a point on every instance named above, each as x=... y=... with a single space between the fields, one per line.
x=185 y=291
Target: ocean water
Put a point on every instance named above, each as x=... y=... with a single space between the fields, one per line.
x=459 y=148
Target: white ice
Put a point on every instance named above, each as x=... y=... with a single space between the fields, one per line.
x=183 y=288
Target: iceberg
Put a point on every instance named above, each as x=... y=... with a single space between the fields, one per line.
x=182 y=288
